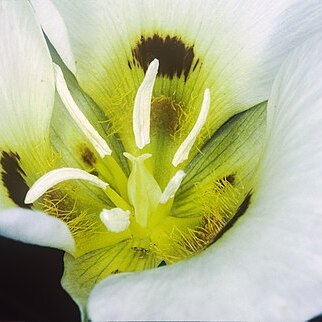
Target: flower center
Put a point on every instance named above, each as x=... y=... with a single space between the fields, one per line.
x=140 y=203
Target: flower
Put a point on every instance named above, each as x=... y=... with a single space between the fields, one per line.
x=160 y=178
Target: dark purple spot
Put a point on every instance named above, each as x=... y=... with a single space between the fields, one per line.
x=88 y=156
x=223 y=182
x=231 y=179
x=163 y=263
x=174 y=56
x=195 y=65
x=242 y=208
x=12 y=178
x=94 y=173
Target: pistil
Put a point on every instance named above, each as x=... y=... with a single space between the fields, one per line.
x=143 y=190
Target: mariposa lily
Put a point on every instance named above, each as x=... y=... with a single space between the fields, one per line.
x=156 y=149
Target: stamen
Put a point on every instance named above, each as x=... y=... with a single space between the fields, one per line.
x=56 y=176
x=185 y=147
x=116 y=220
x=142 y=106
x=80 y=119
x=172 y=187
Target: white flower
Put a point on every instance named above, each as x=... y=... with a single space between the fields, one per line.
x=164 y=179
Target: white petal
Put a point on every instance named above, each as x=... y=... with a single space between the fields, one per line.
x=240 y=43
x=51 y=178
x=26 y=98
x=26 y=78
x=55 y=22
x=268 y=266
x=35 y=228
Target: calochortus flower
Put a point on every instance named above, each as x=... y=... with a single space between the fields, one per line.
x=141 y=134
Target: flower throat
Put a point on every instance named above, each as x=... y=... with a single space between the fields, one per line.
x=143 y=201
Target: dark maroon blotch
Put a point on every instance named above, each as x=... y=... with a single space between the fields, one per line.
x=12 y=178
x=88 y=156
x=175 y=58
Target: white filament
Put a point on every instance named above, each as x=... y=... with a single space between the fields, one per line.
x=183 y=151
x=172 y=187
x=56 y=176
x=80 y=119
x=116 y=220
x=142 y=106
